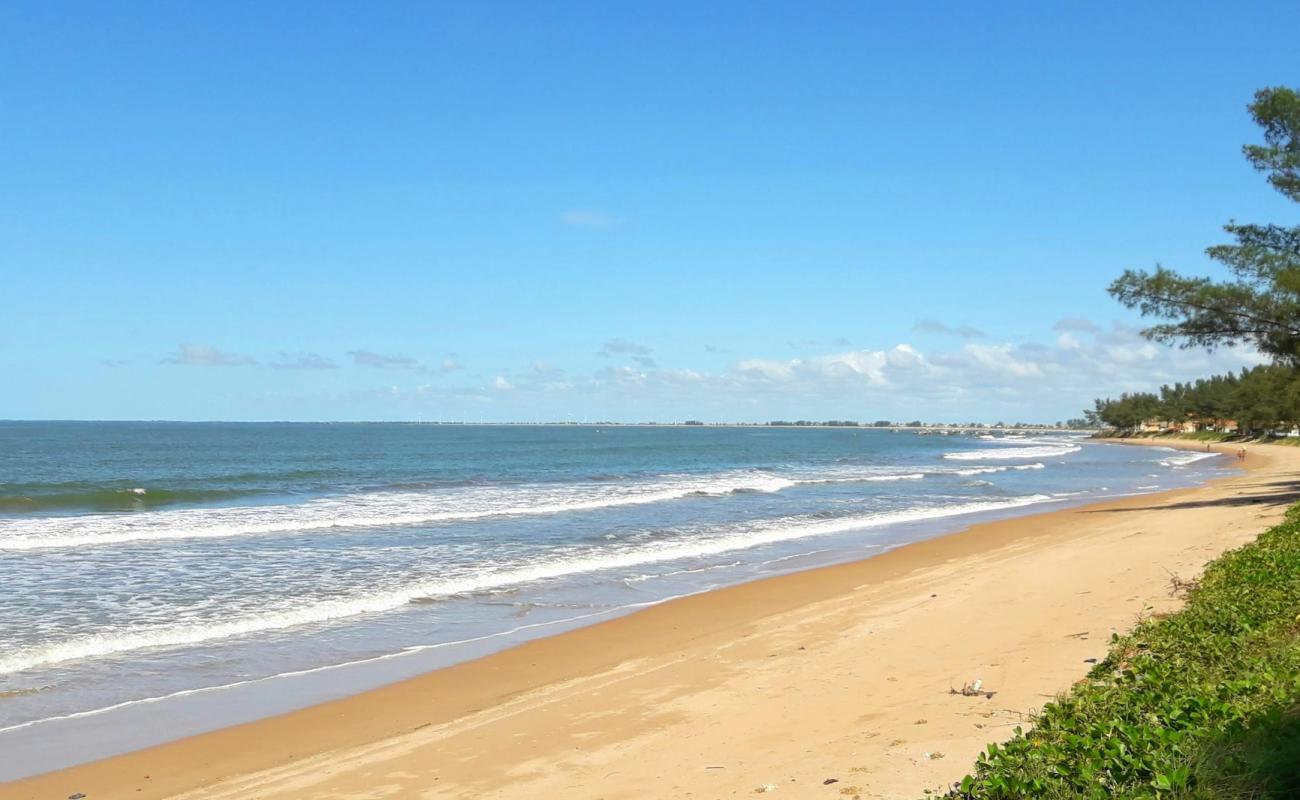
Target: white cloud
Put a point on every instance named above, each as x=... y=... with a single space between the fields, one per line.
x=865 y=367
x=622 y=348
x=1044 y=380
x=1138 y=352
x=766 y=370
x=1026 y=380
x=1068 y=342
x=621 y=376
x=864 y=364
x=199 y=355
x=1000 y=359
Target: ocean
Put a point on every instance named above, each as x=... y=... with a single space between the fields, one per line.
x=160 y=579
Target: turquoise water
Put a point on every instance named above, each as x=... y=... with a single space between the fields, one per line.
x=145 y=566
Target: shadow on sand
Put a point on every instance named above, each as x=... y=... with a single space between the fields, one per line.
x=1274 y=493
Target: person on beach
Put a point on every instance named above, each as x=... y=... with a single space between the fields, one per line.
x=1241 y=454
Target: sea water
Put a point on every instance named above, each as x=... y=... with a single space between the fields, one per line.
x=160 y=579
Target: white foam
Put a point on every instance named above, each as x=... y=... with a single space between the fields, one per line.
x=989 y=470
x=395 y=509
x=998 y=454
x=1183 y=459
x=793 y=556
x=556 y=565
x=372 y=510
x=406 y=651
x=857 y=476
x=980 y=471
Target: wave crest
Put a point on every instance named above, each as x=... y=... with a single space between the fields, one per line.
x=1014 y=453
x=737 y=537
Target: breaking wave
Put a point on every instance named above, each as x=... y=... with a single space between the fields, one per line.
x=556 y=565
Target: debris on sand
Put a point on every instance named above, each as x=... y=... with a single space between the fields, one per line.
x=973 y=688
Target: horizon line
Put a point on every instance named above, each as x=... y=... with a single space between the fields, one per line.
x=799 y=423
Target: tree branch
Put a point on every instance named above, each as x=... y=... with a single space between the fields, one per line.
x=1273 y=324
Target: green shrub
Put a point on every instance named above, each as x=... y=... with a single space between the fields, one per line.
x=1204 y=703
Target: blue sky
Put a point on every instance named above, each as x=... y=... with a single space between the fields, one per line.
x=515 y=211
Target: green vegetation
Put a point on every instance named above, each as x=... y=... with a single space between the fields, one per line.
x=1258 y=306
x=1261 y=304
x=1204 y=703
x=1262 y=400
x=1203 y=436
x=808 y=423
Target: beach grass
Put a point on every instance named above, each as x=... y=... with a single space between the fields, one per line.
x=1202 y=703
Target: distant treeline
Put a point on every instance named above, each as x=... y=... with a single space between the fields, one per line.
x=1264 y=399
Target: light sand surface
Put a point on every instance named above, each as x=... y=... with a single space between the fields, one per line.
x=842 y=672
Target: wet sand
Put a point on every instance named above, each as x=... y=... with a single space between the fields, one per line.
x=842 y=672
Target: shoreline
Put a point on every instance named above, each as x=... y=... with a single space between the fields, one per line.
x=502 y=712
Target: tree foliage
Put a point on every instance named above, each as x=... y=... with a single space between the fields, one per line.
x=1277 y=111
x=1262 y=399
x=1260 y=305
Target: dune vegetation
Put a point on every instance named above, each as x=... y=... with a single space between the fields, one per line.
x=1204 y=703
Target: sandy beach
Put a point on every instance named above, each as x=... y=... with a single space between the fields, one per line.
x=829 y=683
